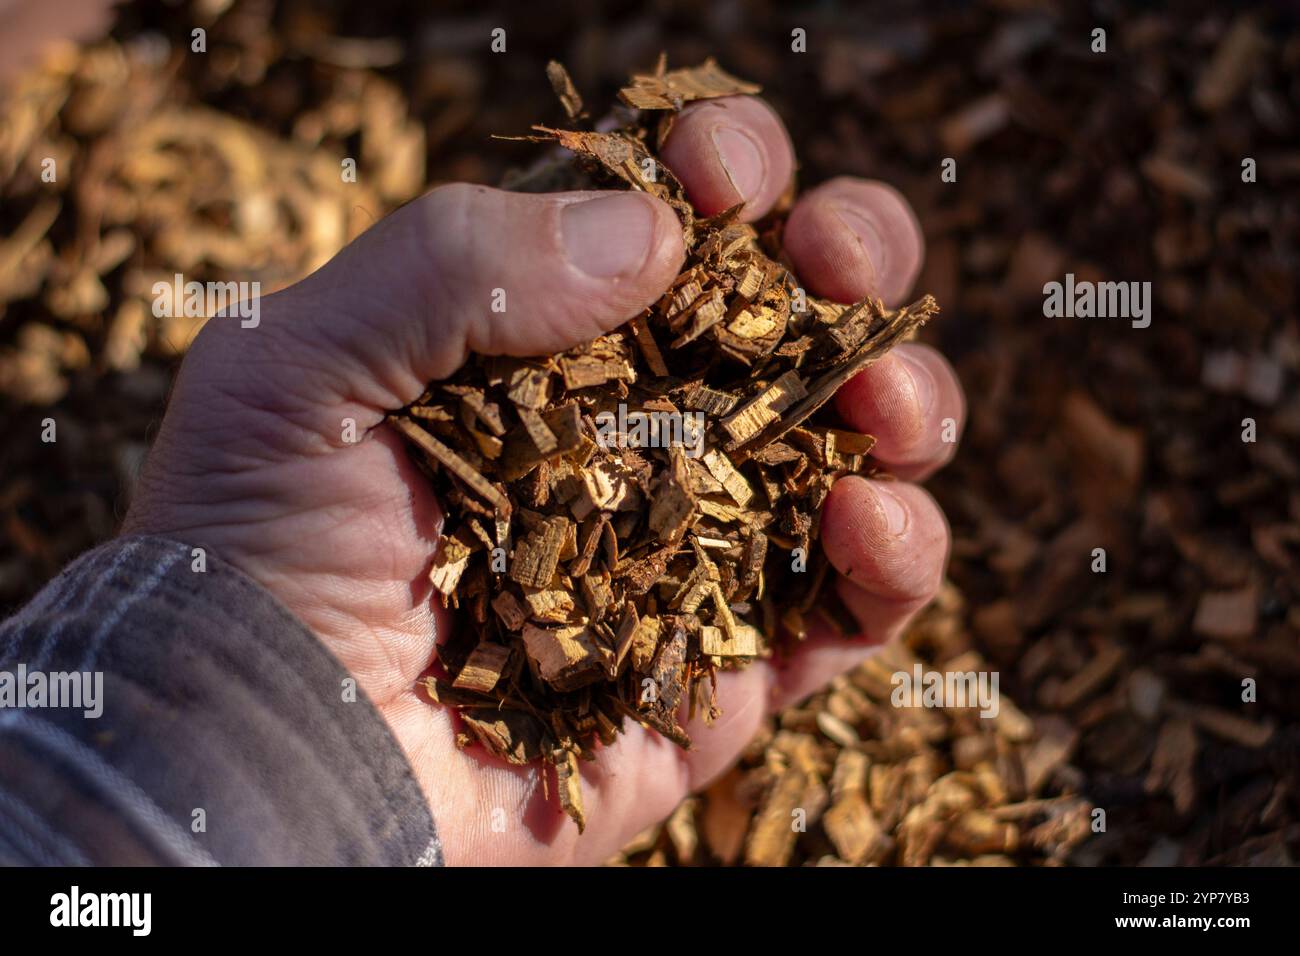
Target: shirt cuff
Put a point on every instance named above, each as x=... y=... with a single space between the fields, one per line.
x=195 y=721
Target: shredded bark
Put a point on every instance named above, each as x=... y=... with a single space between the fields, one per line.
x=642 y=509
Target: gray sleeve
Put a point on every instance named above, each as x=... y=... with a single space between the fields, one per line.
x=155 y=714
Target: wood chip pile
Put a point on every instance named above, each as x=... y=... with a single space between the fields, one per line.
x=622 y=514
x=848 y=778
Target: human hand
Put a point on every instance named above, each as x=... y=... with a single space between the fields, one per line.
x=251 y=461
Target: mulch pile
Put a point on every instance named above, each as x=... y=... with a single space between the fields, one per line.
x=1156 y=691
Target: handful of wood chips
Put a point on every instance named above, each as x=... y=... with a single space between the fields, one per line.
x=629 y=516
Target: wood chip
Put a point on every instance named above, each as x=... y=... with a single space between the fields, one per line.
x=671 y=90
x=564 y=89
x=483 y=669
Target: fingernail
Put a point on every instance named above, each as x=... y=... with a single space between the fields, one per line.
x=893 y=507
x=923 y=383
x=741 y=159
x=609 y=236
x=868 y=236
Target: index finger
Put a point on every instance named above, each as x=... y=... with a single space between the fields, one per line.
x=730 y=150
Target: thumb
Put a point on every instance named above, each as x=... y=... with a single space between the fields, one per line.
x=468 y=268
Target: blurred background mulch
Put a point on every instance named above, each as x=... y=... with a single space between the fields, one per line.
x=133 y=158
